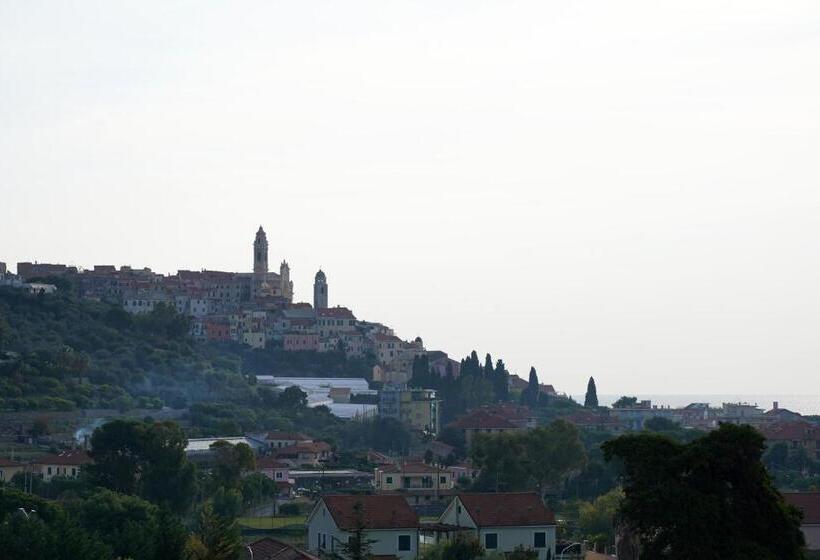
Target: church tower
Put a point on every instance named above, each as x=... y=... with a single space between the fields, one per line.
x=287 y=285
x=260 y=259
x=320 y=291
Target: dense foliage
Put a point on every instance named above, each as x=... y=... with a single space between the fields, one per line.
x=61 y=352
x=709 y=498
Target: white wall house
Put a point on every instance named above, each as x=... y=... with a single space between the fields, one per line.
x=504 y=521
x=388 y=521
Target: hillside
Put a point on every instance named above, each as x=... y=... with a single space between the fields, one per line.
x=58 y=352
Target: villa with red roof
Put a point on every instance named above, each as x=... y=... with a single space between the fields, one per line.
x=484 y=422
x=387 y=520
x=809 y=504
x=502 y=521
x=66 y=463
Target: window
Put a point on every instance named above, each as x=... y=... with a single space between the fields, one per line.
x=389 y=480
x=539 y=540
x=279 y=475
x=442 y=479
x=404 y=543
x=491 y=541
x=49 y=470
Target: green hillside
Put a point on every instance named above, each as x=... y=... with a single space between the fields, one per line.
x=58 y=352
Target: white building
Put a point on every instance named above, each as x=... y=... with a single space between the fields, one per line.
x=389 y=522
x=504 y=521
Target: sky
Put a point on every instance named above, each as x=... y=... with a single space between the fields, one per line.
x=628 y=190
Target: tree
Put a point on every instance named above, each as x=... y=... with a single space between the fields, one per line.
x=357 y=546
x=625 y=402
x=596 y=520
x=39 y=427
x=502 y=379
x=591 y=398
x=293 y=398
x=710 y=498
x=502 y=461
x=553 y=452
x=230 y=461
x=214 y=539
x=129 y=525
x=530 y=394
x=148 y=460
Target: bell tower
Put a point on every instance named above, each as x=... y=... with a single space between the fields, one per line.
x=320 y=291
x=260 y=260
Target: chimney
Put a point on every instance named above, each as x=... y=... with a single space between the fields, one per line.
x=775 y=404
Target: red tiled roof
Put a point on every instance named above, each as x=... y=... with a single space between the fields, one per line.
x=378 y=512
x=808 y=503
x=790 y=431
x=514 y=509
x=64 y=458
x=9 y=463
x=270 y=463
x=336 y=313
x=312 y=447
x=272 y=549
x=387 y=338
x=481 y=420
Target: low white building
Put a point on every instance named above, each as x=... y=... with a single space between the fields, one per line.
x=504 y=521
x=387 y=520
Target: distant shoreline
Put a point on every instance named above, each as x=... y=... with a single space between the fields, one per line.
x=804 y=404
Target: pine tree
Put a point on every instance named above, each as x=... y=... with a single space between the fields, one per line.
x=591 y=398
x=502 y=380
x=530 y=394
x=488 y=367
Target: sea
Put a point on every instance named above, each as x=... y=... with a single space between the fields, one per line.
x=804 y=404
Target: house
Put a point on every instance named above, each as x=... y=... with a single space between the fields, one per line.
x=503 y=521
x=66 y=463
x=796 y=436
x=273 y=549
x=809 y=504
x=9 y=468
x=412 y=477
x=417 y=408
x=483 y=422
x=277 y=440
x=277 y=471
x=386 y=520
x=313 y=453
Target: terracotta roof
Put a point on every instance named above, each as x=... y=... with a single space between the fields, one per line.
x=481 y=420
x=272 y=549
x=387 y=338
x=790 y=431
x=340 y=391
x=514 y=509
x=336 y=313
x=378 y=512
x=287 y=436
x=270 y=463
x=808 y=503
x=312 y=447
x=9 y=463
x=64 y=458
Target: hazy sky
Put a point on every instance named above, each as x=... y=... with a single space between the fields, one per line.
x=629 y=190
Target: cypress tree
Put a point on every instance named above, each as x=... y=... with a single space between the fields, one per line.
x=591 y=398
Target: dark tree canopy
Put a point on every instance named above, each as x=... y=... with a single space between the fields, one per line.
x=624 y=402
x=591 y=398
x=710 y=498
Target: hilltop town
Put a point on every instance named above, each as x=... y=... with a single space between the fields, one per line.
x=308 y=427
